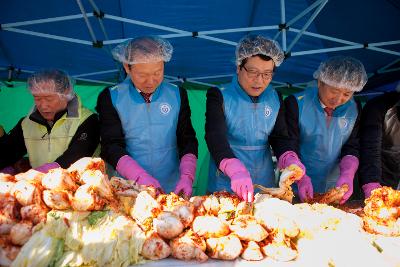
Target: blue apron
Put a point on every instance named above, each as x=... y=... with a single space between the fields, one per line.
x=150 y=129
x=249 y=125
x=320 y=144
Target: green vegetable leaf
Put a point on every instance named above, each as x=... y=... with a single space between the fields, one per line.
x=59 y=251
x=54 y=215
x=374 y=244
x=95 y=216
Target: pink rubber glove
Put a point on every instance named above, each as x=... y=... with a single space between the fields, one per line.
x=288 y=158
x=348 y=167
x=47 y=166
x=131 y=170
x=306 y=191
x=241 y=182
x=367 y=188
x=187 y=170
x=8 y=170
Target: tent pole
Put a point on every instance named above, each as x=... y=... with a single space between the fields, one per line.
x=103 y=29
x=107 y=47
x=160 y=27
x=79 y=79
x=4 y=84
x=324 y=37
x=389 y=70
x=172 y=81
x=218 y=40
x=175 y=35
x=181 y=79
x=50 y=36
x=93 y=81
x=314 y=15
x=39 y=21
x=305 y=11
x=95 y=73
x=283 y=21
x=389 y=65
x=385 y=43
x=371 y=46
x=303 y=83
x=211 y=77
x=278 y=83
x=94 y=6
x=170 y=77
x=145 y=24
x=369 y=94
x=97 y=10
x=325 y=50
x=27 y=71
x=383 y=50
x=88 y=25
x=276 y=35
x=115 y=41
x=245 y=29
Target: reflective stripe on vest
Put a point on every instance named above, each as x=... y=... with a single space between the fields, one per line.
x=321 y=144
x=46 y=147
x=249 y=125
x=150 y=129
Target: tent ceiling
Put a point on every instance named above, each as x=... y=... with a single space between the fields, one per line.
x=68 y=35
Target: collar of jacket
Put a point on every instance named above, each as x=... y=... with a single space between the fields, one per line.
x=72 y=111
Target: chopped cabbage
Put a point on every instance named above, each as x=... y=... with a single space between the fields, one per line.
x=71 y=238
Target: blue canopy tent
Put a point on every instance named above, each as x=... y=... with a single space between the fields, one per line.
x=77 y=36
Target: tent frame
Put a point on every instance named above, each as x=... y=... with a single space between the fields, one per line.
x=281 y=29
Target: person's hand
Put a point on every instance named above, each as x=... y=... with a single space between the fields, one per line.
x=306 y=191
x=343 y=179
x=348 y=167
x=147 y=179
x=8 y=170
x=1 y=131
x=47 y=166
x=242 y=185
x=185 y=186
x=22 y=165
x=241 y=182
x=367 y=188
x=131 y=170
x=288 y=158
x=187 y=170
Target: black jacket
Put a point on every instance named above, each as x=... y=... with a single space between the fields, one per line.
x=377 y=136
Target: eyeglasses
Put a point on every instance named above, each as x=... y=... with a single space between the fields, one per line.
x=253 y=74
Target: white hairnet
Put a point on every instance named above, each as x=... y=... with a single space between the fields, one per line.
x=147 y=49
x=51 y=81
x=252 y=45
x=342 y=72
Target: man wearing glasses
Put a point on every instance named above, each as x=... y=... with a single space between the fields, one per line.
x=244 y=118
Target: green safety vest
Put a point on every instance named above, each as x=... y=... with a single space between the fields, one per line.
x=44 y=147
